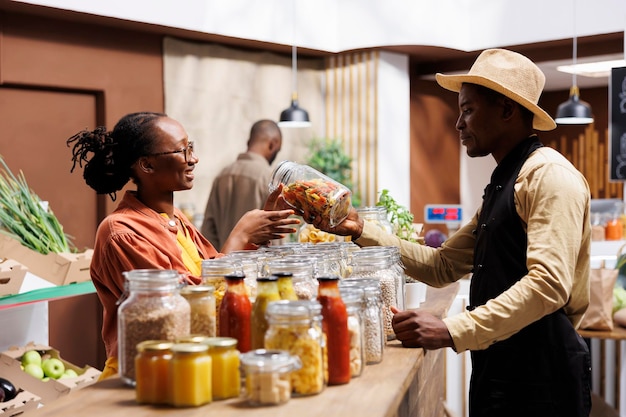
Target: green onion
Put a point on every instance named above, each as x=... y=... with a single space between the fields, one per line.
x=23 y=217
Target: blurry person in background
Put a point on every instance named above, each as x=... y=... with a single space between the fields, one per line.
x=527 y=248
x=243 y=185
x=146 y=231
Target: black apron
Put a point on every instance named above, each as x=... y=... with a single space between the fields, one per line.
x=543 y=370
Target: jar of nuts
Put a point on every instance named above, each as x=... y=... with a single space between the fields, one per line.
x=154 y=310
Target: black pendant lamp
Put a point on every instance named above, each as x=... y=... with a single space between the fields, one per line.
x=574 y=111
x=294 y=116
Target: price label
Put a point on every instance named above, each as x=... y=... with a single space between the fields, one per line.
x=443 y=213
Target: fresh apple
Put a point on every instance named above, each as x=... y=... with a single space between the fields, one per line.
x=53 y=368
x=69 y=373
x=34 y=370
x=31 y=356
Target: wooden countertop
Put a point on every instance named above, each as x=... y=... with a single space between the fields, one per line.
x=618 y=333
x=377 y=392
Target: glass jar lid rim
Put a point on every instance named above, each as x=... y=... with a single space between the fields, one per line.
x=200 y=289
x=189 y=347
x=220 y=341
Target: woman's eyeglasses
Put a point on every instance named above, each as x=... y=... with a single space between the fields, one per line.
x=187 y=151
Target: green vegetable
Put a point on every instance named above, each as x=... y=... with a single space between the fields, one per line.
x=399 y=216
x=619 y=298
x=23 y=217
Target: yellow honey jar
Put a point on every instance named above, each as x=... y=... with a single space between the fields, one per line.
x=190 y=375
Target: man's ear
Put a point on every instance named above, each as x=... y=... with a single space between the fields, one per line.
x=508 y=108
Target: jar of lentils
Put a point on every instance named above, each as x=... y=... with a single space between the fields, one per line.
x=154 y=310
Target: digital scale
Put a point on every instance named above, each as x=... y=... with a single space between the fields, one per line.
x=450 y=214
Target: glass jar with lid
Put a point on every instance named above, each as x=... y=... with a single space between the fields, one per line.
x=267 y=375
x=190 y=375
x=374 y=337
x=335 y=327
x=309 y=191
x=201 y=299
x=154 y=310
x=267 y=292
x=152 y=371
x=380 y=263
x=226 y=376
x=376 y=215
x=353 y=299
x=302 y=270
x=235 y=312
x=294 y=327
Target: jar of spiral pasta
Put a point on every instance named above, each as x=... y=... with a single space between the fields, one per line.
x=154 y=310
x=294 y=327
x=309 y=191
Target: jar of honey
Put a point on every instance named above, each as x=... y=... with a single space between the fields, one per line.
x=190 y=375
x=226 y=379
x=152 y=371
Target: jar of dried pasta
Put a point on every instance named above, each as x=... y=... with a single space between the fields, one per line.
x=312 y=193
x=153 y=310
x=294 y=327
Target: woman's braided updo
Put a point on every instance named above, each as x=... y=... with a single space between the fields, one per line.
x=109 y=168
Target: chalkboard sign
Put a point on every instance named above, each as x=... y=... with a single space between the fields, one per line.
x=617 y=124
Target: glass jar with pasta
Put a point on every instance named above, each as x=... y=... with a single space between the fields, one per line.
x=311 y=193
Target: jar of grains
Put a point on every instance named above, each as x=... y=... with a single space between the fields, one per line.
x=201 y=299
x=353 y=299
x=294 y=327
x=154 y=310
x=302 y=271
x=379 y=263
x=372 y=315
x=312 y=193
x=267 y=376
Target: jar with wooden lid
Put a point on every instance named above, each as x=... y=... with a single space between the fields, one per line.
x=201 y=299
x=190 y=375
x=226 y=378
x=267 y=375
x=293 y=327
x=335 y=327
x=236 y=311
x=152 y=371
x=153 y=310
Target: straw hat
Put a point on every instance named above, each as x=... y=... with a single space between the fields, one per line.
x=510 y=74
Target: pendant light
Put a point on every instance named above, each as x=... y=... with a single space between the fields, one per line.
x=574 y=111
x=294 y=115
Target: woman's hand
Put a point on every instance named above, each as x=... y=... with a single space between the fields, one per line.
x=258 y=227
x=275 y=200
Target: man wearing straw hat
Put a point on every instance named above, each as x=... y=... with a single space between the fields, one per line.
x=527 y=249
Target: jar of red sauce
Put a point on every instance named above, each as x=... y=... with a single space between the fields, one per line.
x=235 y=312
x=335 y=326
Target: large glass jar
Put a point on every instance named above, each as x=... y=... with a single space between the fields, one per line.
x=374 y=337
x=381 y=263
x=267 y=292
x=376 y=215
x=226 y=377
x=335 y=327
x=201 y=299
x=235 y=312
x=267 y=375
x=154 y=310
x=302 y=271
x=294 y=327
x=309 y=191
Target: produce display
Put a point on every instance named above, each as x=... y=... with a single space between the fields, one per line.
x=45 y=367
x=7 y=390
x=319 y=198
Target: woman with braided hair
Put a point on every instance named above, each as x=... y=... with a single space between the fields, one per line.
x=146 y=231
